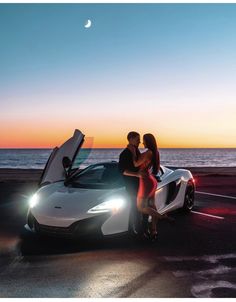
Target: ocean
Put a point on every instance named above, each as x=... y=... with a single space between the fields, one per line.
x=37 y=158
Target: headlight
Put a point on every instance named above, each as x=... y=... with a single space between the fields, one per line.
x=34 y=200
x=111 y=205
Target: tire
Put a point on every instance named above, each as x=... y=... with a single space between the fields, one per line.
x=189 y=198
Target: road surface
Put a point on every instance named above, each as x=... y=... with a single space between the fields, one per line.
x=195 y=257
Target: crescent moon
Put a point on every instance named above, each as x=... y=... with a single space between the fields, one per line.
x=88 y=23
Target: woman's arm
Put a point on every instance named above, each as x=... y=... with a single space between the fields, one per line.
x=142 y=158
x=130 y=173
x=139 y=174
x=135 y=174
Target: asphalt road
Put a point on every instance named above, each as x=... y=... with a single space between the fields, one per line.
x=195 y=257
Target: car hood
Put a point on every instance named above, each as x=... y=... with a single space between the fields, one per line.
x=60 y=206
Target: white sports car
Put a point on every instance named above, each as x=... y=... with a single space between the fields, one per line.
x=75 y=202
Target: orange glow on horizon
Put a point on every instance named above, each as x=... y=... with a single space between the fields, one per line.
x=51 y=139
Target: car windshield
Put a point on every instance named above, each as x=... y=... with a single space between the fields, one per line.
x=99 y=176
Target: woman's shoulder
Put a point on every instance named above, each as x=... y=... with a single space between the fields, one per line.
x=148 y=153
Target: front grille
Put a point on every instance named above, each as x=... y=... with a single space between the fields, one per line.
x=89 y=226
x=55 y=230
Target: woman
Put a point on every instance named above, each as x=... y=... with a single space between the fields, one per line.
x=149 y=164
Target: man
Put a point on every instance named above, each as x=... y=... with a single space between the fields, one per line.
x=131 y=176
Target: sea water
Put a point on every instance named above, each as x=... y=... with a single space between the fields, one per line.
x=37 y=158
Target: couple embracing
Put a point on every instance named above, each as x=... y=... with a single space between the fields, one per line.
x=139 y=171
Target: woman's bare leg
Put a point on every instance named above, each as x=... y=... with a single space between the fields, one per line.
x=154 y=227
x=154 y=218
x=141 y=202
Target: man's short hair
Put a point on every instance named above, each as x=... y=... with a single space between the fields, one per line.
x=132 y=134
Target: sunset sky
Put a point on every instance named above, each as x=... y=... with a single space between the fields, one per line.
x=168 y=69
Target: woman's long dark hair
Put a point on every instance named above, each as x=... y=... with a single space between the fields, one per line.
x=152 y=145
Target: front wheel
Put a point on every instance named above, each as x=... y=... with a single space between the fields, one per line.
x=189 y=198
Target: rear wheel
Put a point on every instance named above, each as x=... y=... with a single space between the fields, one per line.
x=189 y=198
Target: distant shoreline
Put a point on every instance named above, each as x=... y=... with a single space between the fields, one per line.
x=32 y=175
x=37 y=158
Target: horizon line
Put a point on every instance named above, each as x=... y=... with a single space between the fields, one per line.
x=49 y=148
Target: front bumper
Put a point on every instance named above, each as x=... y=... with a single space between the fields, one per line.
x=83 y=228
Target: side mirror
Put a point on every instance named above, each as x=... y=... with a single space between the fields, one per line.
x=66 y=162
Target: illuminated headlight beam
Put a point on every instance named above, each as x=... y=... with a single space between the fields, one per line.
x=34 y=200
x=111 y=205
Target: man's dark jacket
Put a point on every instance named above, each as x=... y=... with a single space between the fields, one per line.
x=126 y=163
